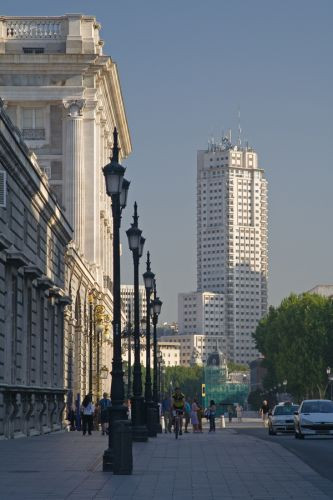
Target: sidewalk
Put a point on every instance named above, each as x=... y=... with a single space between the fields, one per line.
x=224 y=465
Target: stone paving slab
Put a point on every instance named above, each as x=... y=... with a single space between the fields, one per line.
x=224 y=465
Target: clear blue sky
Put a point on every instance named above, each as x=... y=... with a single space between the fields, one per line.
x=185 y=68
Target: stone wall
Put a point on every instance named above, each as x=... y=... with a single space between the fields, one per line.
x=33 y=239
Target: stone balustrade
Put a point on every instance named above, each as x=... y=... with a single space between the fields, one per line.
x=34 y=29
x=30 y=412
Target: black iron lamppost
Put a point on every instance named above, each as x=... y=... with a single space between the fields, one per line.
x=148 y=278
x=117 y=188
x=156 y=306
x=136 y=244
x=129 y=352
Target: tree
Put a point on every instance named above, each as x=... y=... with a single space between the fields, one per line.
x=237 y=367
x=188 y=378
x=296 y=339
x=255 y=399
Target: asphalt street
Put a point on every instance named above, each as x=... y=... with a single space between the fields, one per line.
x=317 y=452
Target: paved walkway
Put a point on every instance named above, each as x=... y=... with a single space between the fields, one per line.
x=224 y=465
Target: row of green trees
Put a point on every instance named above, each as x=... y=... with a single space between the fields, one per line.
x=188 y=378
x=296 y=340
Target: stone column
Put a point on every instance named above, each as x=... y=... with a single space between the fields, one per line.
x=74 y=189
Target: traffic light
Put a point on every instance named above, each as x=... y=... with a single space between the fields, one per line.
x=203 y=390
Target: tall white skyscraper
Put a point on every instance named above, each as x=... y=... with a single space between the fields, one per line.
x=232 y=240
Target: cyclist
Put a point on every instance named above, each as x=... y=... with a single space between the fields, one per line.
x=178 y=405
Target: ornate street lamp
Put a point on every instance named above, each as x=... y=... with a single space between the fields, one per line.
x=117 y=189
x=104 y=372
x=136 y=244
x=156 y=306
x=148 y=278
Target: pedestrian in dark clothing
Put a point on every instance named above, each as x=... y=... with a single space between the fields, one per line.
x=264 y=410
x=87 y=411
x=230 y=412
x=166 y=412
x=71 y=418
x=212 y=413
x=104 y=406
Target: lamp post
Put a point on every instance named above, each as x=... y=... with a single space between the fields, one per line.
x=104 y=372
x=285 y=383
x=129 y=352
x=148 y=277
x=160 y=376
x=117 y=188
x=155 y=311
x=136 y=244
x=330 y=379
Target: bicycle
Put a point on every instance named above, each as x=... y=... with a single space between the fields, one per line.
x=177 y=416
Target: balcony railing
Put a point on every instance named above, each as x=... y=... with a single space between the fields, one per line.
x=34 y=29
x=34 y=134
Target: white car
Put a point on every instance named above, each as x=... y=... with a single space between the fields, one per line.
x=281 y=419
x=314 y=417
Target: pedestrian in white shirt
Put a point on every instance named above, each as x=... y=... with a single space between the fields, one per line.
x=87 y=410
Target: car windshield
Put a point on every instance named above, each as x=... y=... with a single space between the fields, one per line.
x=285 y=410
x=317 y=407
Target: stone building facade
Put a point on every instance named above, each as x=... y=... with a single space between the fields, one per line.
x=65 y=97
x=33 y=238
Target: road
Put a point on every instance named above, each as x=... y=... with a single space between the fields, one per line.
x=317 y=452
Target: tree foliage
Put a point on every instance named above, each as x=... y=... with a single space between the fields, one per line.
x=188 y=378
x=255 y=399
x=296 y=340
x=237 y=367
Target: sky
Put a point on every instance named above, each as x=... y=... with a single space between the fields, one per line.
x=186 y=67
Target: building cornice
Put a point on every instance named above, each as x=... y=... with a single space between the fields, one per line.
x=68 y=64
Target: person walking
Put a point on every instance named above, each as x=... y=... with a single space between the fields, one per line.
x=187 y=414
x=194 y=415
x=200 y=414
x=166 y=412
x=88 y=409
x=230 y=412
x=239 y=412
x=264 y=410
x=104 y=405
x=212 y=413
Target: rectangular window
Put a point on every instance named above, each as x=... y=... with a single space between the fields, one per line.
x=33 y=123
x=33 y=50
